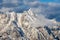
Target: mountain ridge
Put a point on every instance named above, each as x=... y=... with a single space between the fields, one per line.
x=26 y=26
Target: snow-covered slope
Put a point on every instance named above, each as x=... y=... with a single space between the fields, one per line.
x=27 y=26
x=35 y=20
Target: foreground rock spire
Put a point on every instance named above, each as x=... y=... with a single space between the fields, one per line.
x=27 y=26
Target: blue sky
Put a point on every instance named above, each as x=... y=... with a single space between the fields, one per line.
x=50 y=1
x=58 y=1
x=0 y=1
x=44 y=1
x=47 y=0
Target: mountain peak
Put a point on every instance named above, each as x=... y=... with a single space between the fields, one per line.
x=26 y=26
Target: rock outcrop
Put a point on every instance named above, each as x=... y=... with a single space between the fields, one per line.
x=27 y=26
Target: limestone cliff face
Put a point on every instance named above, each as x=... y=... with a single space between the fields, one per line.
x=27 y=26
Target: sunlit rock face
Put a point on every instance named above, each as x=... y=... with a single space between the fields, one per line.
x=27 y=26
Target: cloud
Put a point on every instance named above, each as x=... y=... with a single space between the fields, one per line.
x=52 y=11
x=19 y=5
x=49 y=10
x=14 y=5
x=32 y=3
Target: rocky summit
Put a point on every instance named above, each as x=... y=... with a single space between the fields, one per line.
x=27 y=26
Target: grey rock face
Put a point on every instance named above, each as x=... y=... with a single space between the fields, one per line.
x=26 y=26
